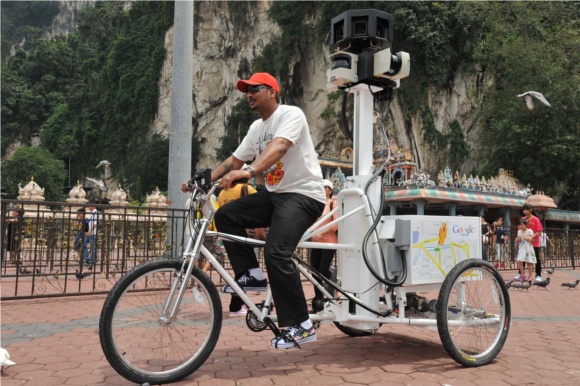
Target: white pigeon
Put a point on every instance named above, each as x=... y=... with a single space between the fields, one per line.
x=529 y=98
x=103 y=162
x=99 y=183
x=5 y=359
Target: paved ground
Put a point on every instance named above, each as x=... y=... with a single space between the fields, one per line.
x=55 y=342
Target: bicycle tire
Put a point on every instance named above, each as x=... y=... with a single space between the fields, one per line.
x=473 y=313
x=143 y=347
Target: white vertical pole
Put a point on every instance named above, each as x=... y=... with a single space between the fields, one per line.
x=363 y=130
x=181 y=110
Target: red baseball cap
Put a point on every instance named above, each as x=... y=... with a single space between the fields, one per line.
x=257 y=79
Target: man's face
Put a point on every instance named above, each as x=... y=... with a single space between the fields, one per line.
x=258 y=96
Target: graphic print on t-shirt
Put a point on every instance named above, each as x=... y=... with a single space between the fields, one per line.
x=275 y=174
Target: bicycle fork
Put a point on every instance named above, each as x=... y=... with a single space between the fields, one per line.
x=182 y=278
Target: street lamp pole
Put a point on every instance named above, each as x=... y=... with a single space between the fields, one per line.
x=181 y=111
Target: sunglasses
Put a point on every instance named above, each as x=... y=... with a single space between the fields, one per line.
x=256 y=89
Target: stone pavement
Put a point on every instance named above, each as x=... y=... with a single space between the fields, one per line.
x=55 y=341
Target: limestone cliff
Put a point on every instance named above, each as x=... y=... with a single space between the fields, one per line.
x=223 y=53
x=65 y=22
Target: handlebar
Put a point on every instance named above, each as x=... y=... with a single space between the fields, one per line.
x=202 y=179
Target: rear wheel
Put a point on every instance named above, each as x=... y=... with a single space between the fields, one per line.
x=473 y=313
x=144 y=345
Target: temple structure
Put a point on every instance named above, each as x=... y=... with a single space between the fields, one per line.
x=410 y=190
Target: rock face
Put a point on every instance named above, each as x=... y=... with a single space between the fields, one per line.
x=65 y=22
x=224 y=49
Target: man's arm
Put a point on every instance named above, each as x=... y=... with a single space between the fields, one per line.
x=271 y=154
x=232 y=163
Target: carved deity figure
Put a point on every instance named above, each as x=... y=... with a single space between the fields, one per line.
x=440 y=179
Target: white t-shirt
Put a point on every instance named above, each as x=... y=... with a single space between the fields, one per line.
x=93 y=221
x=298 y=170
x=543 y=239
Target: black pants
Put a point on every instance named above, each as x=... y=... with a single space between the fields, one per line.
x=320 y=260
x=288 y=215
x=538 y=262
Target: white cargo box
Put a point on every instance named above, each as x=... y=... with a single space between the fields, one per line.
x=432 y=245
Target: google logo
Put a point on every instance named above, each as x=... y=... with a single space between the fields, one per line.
x=463 y=230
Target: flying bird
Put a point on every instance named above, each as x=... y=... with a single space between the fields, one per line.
x=572 y=284
x=543 y=284
x=529 y=98
x=99 y=183
x=104 y=163
x=5 y=359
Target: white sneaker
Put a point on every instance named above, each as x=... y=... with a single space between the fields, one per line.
x=538 y=278
x=242 y=312
x=518 y=276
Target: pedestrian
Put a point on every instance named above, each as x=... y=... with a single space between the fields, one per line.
x=501 y=237
x=82 y=226
x=91 y=237
x=485 y=237
x=13 y=234
x=526 y=252
x=321 y=259
x=279 y=146
x=544 y=241
x=535 y=225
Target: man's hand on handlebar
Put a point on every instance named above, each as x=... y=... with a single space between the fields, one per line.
x=186 y=186
x=226 y=182
x=233 y=177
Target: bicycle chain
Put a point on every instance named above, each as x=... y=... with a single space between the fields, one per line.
x=252 y=321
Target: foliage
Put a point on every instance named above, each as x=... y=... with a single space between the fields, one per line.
x=239 y=122
x=431 y=136
x=26 y=162
x=458 y=149
x=25 y=21
x=452 y=149
x=93 y=95
x=150 y=167
x=533 y=46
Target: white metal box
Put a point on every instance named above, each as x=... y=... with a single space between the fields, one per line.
x=432 y=245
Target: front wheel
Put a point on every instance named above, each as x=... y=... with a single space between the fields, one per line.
x=473 y=313
x=145 y=345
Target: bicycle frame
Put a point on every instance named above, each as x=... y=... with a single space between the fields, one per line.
x=334 y=309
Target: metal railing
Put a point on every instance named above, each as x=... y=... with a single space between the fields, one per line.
x=561 y=251
x=39 y=259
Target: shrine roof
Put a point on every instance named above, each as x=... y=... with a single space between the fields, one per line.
x=439 y=195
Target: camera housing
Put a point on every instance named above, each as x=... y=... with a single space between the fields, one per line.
x=361 y=30
x=393 y=67
x=362 y=40
x=343 y=71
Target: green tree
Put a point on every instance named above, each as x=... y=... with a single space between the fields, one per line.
x=533 y=47
x=239 y=122
x=458 y=149
x=25 y=21
x=27 y=162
